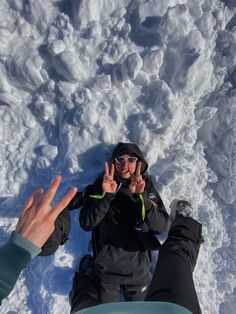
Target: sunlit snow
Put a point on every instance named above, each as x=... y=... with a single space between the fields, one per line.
x=77 y=77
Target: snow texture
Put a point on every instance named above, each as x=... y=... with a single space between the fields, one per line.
x=79 y=76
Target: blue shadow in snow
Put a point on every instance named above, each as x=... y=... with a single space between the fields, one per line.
x=142 y=34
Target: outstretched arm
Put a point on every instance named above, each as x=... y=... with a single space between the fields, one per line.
x=35 y=225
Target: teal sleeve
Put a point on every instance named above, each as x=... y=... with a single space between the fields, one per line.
x=14 y=257
x=136 y=307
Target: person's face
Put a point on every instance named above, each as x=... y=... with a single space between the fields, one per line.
x=125 y=165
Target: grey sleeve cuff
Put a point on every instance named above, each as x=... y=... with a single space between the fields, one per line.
x=24 y=243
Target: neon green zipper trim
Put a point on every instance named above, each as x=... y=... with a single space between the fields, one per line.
x=143 y=206
x=98 y=197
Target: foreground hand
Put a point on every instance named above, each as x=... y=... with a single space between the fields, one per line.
x=37 y=217
x=137 y=184
x=109 y=185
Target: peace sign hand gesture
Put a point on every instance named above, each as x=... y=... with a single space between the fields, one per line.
x=109 y=185
x=137 y=184
x=36 y=220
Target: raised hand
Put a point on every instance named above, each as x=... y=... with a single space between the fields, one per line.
x=137 y=184
x=37 y=217
x=109 y=185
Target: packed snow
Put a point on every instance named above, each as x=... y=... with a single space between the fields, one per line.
x=77 y=77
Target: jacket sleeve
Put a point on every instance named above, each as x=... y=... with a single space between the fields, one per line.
x=96 y=205
x=153 y=209
x=14 y=257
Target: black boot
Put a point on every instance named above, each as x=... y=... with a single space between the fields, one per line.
x=184 y=208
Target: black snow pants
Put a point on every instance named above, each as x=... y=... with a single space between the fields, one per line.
x=172 y=280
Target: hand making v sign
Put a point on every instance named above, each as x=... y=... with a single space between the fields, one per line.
x=36 y=220
x=137 y=184
x=109 y=185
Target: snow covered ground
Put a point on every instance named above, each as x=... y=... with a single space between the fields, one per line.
x=78 y=76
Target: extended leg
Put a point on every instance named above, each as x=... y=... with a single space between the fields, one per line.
x=172 y=280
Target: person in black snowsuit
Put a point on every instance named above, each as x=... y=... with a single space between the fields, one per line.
x=172 y=287
x=124 y=212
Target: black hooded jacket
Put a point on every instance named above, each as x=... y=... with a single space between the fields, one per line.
x=123 y=224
